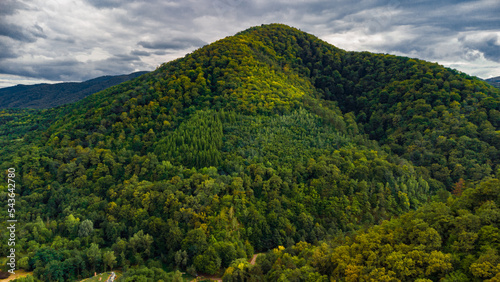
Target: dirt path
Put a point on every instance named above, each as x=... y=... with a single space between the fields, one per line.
x=252 y=261
x=19 y=274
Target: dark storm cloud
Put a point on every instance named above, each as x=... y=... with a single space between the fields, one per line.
x=119 y=64
x=488 y=45
x=52 y=70
x=491 y=48
x=447 y=16
x=10 y=7
x=74 y=70
x=140 y=53
x=7 y=51
x=107 y=3
x=20 y=33
x=65 y=40
x=126 y=58
x=15 y=32
x=174 y=43
x=432 y=30
x=451 y=16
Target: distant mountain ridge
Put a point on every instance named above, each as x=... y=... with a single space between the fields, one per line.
x=43 y=96
x=495 y=81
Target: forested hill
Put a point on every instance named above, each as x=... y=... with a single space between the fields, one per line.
x=258 y=141
x=495 y=81
x=42 y=96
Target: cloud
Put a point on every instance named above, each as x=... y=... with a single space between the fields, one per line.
x=7 y=52
x=174 y=43
x=160 y=53
x=10 y=7
x=107 y=3
x=19 y=33
x=488 y=44
x=52 y=70
x=140 y=53
x=72 y=69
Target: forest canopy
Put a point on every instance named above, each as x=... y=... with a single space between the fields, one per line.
x=339 y=165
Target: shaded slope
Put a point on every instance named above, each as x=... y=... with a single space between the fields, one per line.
x=495 y=81
x=42 y=96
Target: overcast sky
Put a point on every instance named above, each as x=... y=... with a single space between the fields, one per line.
x=75 y=40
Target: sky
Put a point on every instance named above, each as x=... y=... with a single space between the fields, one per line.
x=75 y=40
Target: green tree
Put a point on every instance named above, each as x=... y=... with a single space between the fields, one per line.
x=94 y=255
x=108 y=259
x=141 y=244
x=209 y=262
x=86 y=228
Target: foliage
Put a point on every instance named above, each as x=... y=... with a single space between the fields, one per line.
x=456 y=241
x=265 y=139
x=144 y=273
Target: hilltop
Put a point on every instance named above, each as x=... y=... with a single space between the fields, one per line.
x=267 y=139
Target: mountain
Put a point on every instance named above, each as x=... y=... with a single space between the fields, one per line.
x=495 y=81
x=270 y=140
x=42 y=96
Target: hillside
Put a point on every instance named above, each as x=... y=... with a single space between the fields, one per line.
x=42 y=96
x=256 y=142
x=495 y=81
x=453 y=241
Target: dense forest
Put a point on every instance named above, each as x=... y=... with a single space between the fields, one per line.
x=346 y=166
